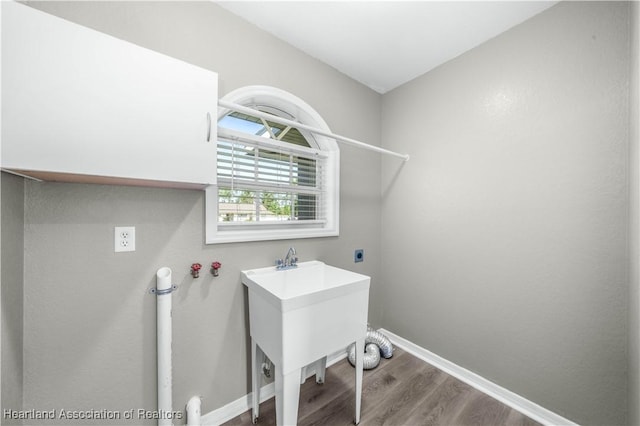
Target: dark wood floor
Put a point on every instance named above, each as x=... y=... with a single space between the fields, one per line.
x=403 y=390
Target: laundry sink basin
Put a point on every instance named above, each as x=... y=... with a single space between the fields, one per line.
x=309 y=283
x=299 y=316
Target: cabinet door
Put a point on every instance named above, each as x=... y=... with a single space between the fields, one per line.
x=80 y=102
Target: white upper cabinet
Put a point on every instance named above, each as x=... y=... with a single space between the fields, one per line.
x=80 y=105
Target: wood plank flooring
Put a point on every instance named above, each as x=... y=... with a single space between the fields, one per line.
x=403 y=390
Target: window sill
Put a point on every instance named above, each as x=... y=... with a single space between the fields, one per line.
x=223 y=237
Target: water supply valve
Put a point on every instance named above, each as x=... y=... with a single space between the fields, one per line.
x=214 y=268
x=195 y=270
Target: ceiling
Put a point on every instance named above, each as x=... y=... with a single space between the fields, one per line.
x=384 y=44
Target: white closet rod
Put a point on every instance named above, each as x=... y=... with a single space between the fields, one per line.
x=274 y=118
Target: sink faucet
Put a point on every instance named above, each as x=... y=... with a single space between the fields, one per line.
x=290 y=260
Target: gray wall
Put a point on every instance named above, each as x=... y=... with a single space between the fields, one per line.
x=505 y=236
x=89 y=331
x=12 y=291
x=634 y=216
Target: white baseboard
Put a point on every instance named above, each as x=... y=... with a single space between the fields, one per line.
x=513 y=400
x=242 y=404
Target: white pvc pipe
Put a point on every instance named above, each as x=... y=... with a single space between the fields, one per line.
x=163 y=282
x=193 y=411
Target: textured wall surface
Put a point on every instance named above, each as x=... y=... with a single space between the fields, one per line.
x=506 y=233
x=89 y=331
x=12 y=292
x=634 y=216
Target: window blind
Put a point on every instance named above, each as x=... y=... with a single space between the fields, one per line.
x=261 y=180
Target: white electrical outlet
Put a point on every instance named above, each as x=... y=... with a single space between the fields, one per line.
x=125 y=238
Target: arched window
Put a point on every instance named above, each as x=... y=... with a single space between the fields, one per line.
x=274 y=181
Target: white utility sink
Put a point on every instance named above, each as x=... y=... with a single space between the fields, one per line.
x=297 y=317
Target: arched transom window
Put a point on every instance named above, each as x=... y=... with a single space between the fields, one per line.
x=274 y=181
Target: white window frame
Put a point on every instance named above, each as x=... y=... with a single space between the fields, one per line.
x=277 y=99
